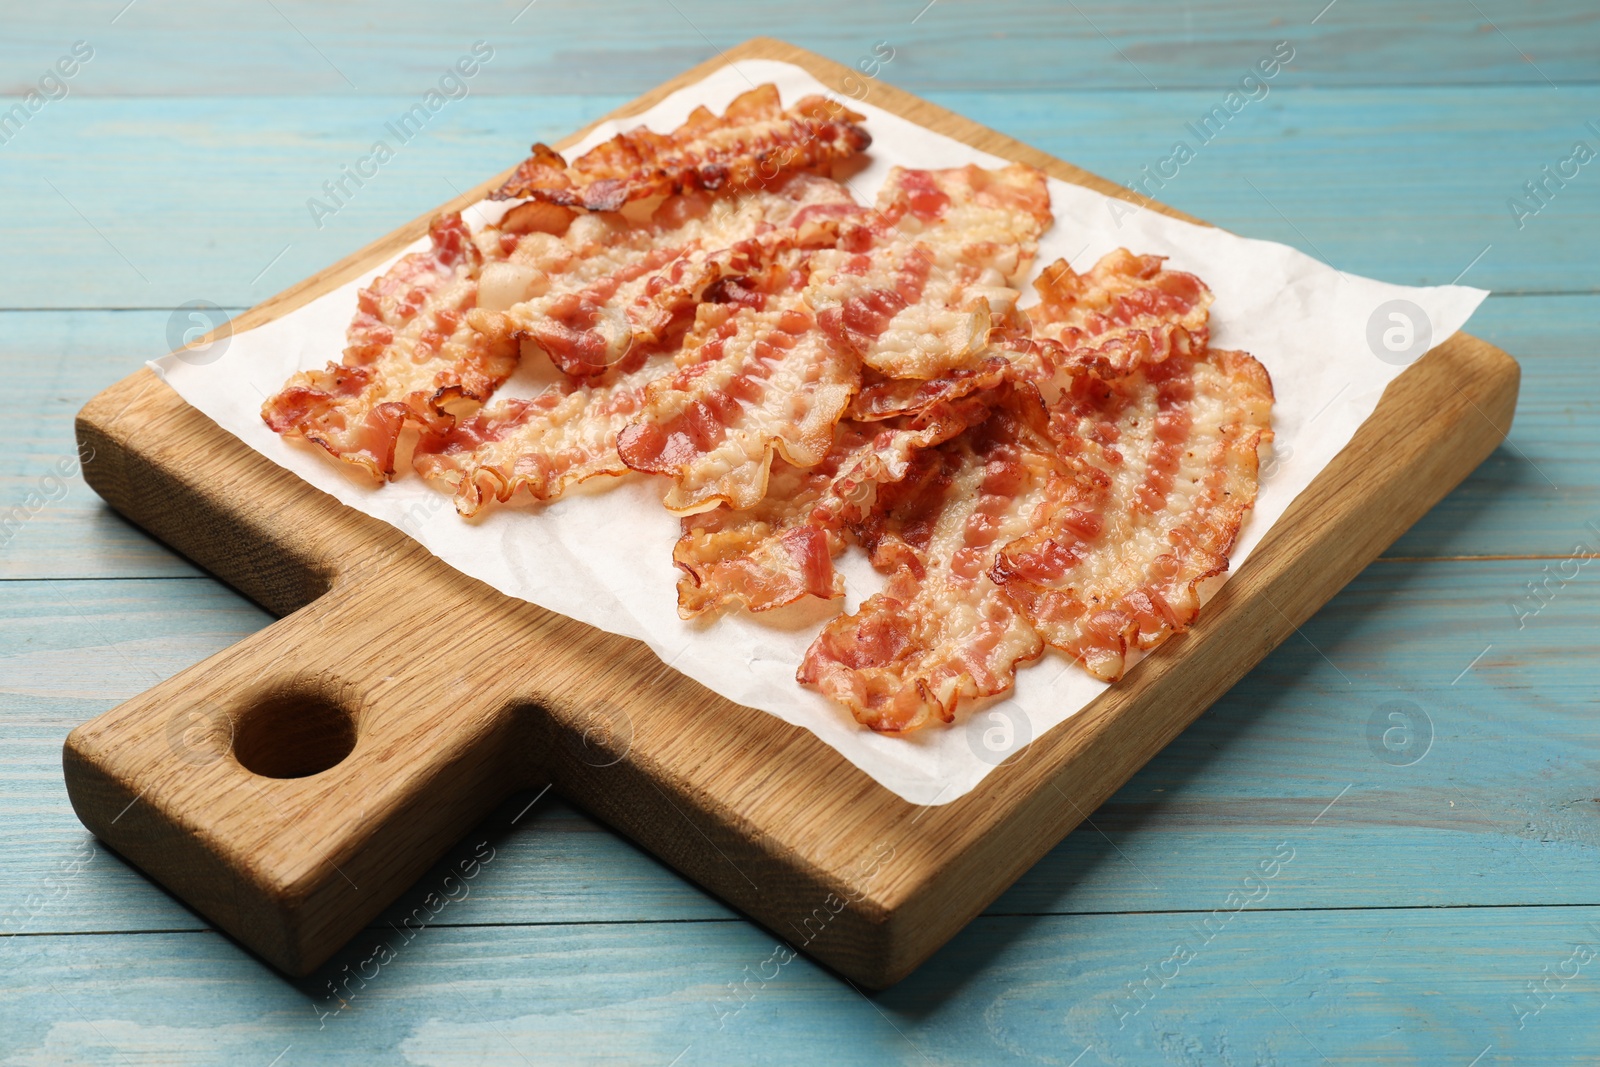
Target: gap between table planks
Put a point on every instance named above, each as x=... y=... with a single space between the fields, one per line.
x=464 y=694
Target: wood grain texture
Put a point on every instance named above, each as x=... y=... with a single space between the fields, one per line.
x=1272 y=752
x=1504 y=507
x=615 y=978
x=761 y=813
x=298 y=47
x=1428 y=171
x=1364 y=987
x=59 y=359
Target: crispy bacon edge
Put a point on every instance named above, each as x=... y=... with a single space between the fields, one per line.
x=788 y=540
x=871 y=661
x=546 y=468
x=1151 y=313
x=1147 y=614
x=640 y=163
x=296 y=410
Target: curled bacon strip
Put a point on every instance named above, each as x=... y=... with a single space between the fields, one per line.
x=410 y=353
x=767 y=555
x=887 y=398
x=611 y=284
x=915 y=295
x=761 y=381
x=1126 y=310
x=1168 y=455
x=754 y=142
x=942 y=631
x=564 y=435
x=781 y=549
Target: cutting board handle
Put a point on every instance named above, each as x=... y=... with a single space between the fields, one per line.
x=289 y=799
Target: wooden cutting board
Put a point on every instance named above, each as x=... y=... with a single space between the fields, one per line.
x=290 y=787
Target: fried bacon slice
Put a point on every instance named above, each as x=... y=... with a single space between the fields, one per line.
x=760 y=381
x=1126 y=311
x=769 y=554
x=917 y=296
x=564 y=435
x=773 y=375
x=886 y=458
x=753 y=143
x=568 y=433
x=887 y=398
x=1168 y=455
x=410 y=353
x=942 y=631
x=808 y=372
x=609 y=283
x=782 y=548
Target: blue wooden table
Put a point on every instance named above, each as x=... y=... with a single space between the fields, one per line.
x=1417 y=769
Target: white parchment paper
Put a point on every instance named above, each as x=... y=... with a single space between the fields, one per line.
x=603 y=554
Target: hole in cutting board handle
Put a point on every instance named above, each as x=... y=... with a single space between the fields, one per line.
x=293 y=735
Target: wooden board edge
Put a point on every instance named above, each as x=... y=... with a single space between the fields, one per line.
x=883 y=936
x=896 y=935
x=1117 y=737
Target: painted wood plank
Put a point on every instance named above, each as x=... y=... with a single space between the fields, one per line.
x=1008 y=984
x=1496 y=811
x=1538 y=493
x=55 y=361
x=1260 y=986
x=298 y=47
x=69 y=650
x=210 y=196
x=51 y=524
x=1408 y=186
